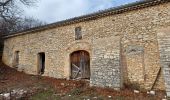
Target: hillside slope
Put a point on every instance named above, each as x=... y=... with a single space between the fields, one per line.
x=30 y=87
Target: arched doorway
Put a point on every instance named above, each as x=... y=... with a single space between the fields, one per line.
x=80 y=65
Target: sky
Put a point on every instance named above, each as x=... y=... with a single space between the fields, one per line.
x=51 y=11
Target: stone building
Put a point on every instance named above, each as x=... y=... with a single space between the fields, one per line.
x=129 y=44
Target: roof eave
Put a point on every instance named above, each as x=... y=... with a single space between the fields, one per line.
x=99 y=14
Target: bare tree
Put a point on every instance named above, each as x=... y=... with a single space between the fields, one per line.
x=10 y=13
x=27 y=23
x=9 y=9
x=19 y=25
x=10 y=20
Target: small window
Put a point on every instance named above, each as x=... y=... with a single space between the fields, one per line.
x=78 y=33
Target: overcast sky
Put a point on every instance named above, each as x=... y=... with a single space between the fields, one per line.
x=57 y=10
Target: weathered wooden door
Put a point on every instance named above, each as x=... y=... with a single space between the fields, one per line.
x=80 y=65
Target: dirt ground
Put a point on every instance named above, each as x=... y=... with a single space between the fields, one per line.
x=46 y=88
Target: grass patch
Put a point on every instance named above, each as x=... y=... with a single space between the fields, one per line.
x=76 y=91
x=45 y=95
x=119 y=98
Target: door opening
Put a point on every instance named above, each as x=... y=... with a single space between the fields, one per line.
x=41 y=63
x=16 y=59
x=80 y=65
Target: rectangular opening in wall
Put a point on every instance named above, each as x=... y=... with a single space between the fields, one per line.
x=41 y=63
x=16 y=59
x=78 y=33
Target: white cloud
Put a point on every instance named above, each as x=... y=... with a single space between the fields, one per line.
x=56 y=10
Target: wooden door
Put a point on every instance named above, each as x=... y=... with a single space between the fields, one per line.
x=80 y=65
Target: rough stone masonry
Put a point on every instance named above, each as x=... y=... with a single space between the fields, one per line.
x=128 y=45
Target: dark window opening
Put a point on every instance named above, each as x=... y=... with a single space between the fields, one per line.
x=16 y=59
x=41 y=63
x=78 y=33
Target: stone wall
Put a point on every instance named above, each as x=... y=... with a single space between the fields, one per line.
x=105 y=68
x=164 y=47
x=136 y=47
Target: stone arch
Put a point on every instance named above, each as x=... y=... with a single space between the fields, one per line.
x=72 y=47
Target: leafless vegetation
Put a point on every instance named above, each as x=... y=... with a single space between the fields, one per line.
x=11 y=17
x=9 y=9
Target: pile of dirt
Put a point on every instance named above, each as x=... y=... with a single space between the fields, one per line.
x=10 y=78
x=65 y=85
